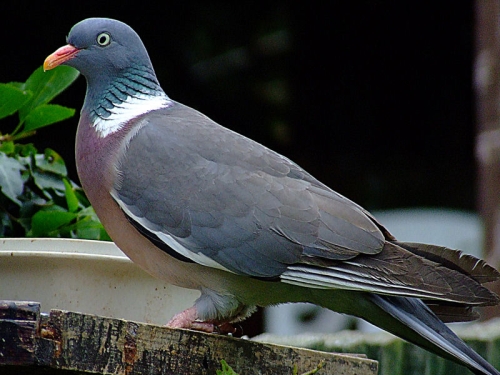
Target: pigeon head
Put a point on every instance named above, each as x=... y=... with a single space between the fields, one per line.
x=121 y=82
x=100 y=47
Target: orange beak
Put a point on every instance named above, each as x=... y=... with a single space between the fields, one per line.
x=62 y=55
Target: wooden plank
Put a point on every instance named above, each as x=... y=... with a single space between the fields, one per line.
x=20 y=310
x=18 y=331
x=69 y=343
x=110 y=346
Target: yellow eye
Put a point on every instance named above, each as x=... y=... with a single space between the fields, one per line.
x=103 y=39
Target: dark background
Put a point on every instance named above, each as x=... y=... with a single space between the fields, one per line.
x=374 y=98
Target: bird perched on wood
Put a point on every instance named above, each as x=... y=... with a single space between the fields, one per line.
x=202 y=207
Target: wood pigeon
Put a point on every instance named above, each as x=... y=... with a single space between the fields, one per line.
x=202 y=207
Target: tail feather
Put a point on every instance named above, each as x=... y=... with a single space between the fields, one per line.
x=456 y=260
x=453 y=313
x=468 y=265
x=419 y=325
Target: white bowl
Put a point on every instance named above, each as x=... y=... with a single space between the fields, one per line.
x=92 y=277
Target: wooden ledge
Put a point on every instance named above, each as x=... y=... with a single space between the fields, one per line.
x=72 y=343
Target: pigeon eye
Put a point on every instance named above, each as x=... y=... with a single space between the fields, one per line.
x=103 y=39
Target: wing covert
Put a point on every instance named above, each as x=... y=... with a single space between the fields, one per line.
x=225 y=201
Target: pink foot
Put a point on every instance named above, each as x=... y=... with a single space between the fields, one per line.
x=188 y=319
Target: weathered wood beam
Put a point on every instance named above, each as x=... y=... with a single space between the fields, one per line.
x=19 y=323
x=74 y=343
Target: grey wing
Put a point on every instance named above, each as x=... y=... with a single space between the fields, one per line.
x=219 y=199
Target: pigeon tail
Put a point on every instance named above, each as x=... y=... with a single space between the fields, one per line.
x=412 y=320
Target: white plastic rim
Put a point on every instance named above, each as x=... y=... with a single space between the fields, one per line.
x=65 y=248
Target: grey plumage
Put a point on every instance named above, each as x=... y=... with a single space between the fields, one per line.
x=232 y=199
x=203 y=207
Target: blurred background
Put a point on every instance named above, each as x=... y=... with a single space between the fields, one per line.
x=381 y=100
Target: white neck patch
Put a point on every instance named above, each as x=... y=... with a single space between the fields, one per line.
x=130 y=108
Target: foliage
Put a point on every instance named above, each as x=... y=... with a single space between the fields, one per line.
x=226 y=369
x=320 y=365
x=37 y=199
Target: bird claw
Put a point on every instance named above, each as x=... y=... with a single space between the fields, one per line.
x=225 y=328
x=187 y=319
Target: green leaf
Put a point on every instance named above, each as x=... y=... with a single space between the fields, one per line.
x=226 y=369
x=11 y=182
x=91 y=229
x=7 y=147
x=82 y=198
x=51 y=161
x=71 y=198
x=47 y=223
x=46 y=114
x=12 y=99
x=27 y=210
x=45 y=86
x=46 y=181
x=17 y=85
x=25 y=150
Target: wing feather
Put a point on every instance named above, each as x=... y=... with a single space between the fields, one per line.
x=224 y=201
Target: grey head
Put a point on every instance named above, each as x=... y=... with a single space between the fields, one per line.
x=106 y=48
x=117 y=67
